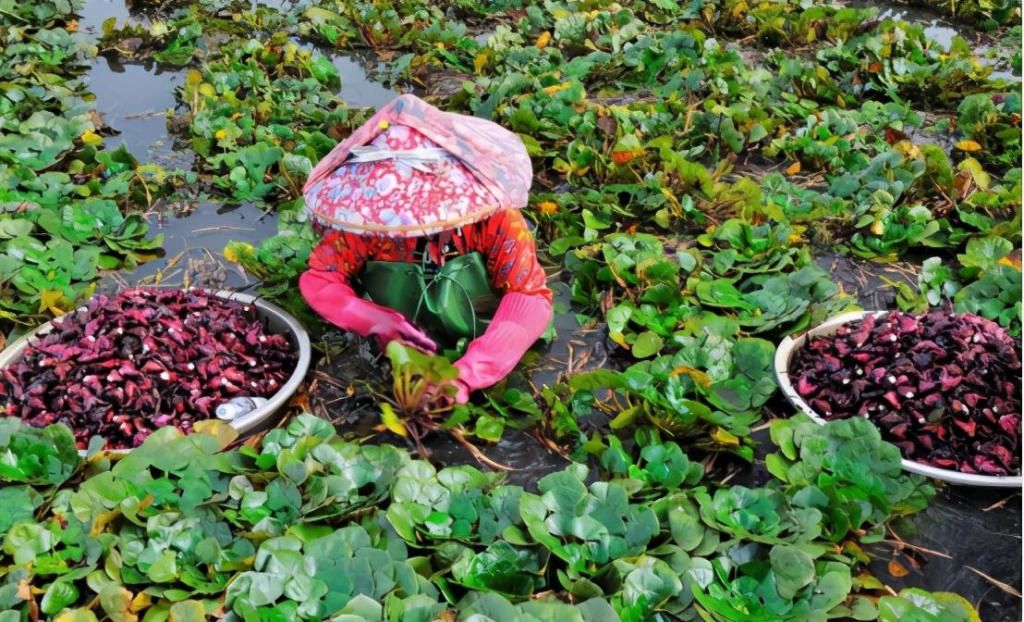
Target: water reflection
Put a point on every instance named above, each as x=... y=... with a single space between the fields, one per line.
x=194 y=238
x=357 y=89
x=134 y=100
x=95 y=12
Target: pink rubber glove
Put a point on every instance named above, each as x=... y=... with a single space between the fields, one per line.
x=519 y=321
x=338 y=303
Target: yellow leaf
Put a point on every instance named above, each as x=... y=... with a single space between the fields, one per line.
x=1009 y=260
x=973 y=169
x=121 y=606
x=102 y=520
x=49 y=299
x=141 y=601
x=391 y=420
x=724 y=437
x=193 y=78
x=220 y=430
x=897 y=569
x=91 y=138
x=543 y=40
x=557 y=88
x=237 y=251
x=698 y=376
x=480 y=61
x=793 y=169
x=968 y=145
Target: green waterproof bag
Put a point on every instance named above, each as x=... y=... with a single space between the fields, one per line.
x=455 y=302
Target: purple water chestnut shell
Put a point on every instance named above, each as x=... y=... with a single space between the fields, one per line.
x=945 y=388
x=125 y=366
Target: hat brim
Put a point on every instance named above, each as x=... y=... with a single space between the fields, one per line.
x=389 y=197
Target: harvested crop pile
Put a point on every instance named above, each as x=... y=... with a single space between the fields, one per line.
x=943 y=387
x=145 y=359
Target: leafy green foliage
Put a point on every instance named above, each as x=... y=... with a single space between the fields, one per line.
x=660 y=466
x=993 y=123
x=45 y=457
x=303 y=525
x=917 y=605
x=996 y=295
x=65 y=204
x=844 y=470
x=422 y=390
x=586 y=527
x=988 y=284
x=261 y=113
x=458 y=503
x=279 y=260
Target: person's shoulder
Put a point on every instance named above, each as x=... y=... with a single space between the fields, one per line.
x=509 y=218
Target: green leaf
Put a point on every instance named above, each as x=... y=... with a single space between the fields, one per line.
x=793 y=568
x=36 y=455
x=647 y=344
x=59 y=595
x=983 y=253
x=187 y=611
x=489 y=428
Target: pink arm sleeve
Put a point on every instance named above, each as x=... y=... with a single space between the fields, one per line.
x=330 y=296
x=525 y=309
x=326 y=288
x=519 y=321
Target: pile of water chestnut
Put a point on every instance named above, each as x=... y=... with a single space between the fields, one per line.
x=944 y=387
x=146 y=358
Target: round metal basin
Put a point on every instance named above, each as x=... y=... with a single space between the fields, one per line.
x=278 y=321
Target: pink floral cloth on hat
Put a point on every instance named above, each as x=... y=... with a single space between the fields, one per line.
x=485 y=169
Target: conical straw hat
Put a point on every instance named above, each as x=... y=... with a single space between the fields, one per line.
x=414 y=170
